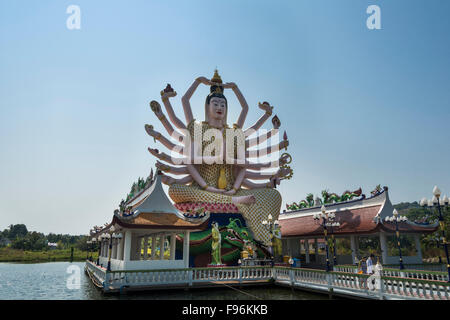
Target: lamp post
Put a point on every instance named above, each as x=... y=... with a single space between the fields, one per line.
x=395 y=219
x=88 y=248
x=271 y=224
x=327 y=220
x=110 y=237
x=93 y=242
x=438 y=202
x=100 y=243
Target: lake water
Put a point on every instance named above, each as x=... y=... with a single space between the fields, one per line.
x=54 y=280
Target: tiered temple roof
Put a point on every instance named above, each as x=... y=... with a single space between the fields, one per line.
x=152 y=209
x=361 y=216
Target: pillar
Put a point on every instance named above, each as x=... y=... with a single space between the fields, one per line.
x=127 y=246
x=418 y=247
x=316 y=250
x=384 y=249
x=186 y=248
x=114 y=249
x=353 y=247
x=173 y=240
x=145 y=247
x=120 y=250
x=306 y=244
x=153 y=246
x=161 y=246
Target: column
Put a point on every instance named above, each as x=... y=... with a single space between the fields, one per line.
x=353 y=247
x=127 y=246
x=384 y=249
x=173 y=240
x=306 y=244
x=161 y=246
x=418 y=247
x=186 y=249
x=316 y=250
x=114 y=248
x=105 y=248
x=120 y=250
x=145 y=247
x=153 y=247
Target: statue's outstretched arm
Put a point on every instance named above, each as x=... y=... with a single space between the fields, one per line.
x=187 y=96
x=281 y=172
x=242 y=101
x=268 y=109
x=165 y=157
x=251 y=185
x=175 y=120
x=265 y=165
x=156 y=107
x=158 y=136
x=260 y=139
x=268 y=150
x=169 y=180
x=174 y=170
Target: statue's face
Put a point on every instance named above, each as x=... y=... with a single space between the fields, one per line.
x=217 y=108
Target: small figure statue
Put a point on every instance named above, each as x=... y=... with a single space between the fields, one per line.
x=216 y=245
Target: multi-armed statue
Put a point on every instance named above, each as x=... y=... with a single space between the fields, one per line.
x=218 y=162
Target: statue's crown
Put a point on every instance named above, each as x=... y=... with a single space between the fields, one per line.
x=216 y=78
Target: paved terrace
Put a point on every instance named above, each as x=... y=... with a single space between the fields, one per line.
x=348 y=284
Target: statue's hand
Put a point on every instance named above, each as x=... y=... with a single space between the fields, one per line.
x=274 y=181
x=284 y=144
x=152 y=132
x=229 y=85
x=230 y=192
x=167 y=180
x=167 y=95
x=266 y=107
x=283 y=172
x=161 y=166
x=215 y=190
x=284 y=159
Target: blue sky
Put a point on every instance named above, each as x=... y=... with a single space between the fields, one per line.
x=361 y=107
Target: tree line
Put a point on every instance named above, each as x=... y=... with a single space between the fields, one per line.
x=18 y=237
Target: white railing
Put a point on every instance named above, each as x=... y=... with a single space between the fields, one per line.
x=405 y=273
x=95 y=271
x=346 y=283
x=364 y=285
x=116 y=280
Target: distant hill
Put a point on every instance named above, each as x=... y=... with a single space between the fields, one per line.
x=414 y=212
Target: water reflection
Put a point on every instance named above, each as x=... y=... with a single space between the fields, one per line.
x=52 y=281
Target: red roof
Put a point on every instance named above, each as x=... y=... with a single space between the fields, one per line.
x=361 y=216
x=352 y=221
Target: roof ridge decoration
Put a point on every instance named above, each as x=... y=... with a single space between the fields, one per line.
x=155 y=201
x=327 y=198
x=339 y=205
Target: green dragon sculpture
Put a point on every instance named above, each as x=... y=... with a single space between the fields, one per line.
x=234 y=239
x=327 y=198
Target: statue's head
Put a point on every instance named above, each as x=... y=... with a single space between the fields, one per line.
x=216 y=105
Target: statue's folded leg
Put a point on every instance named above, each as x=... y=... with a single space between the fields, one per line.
x=182 y=193
x=268 y=201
